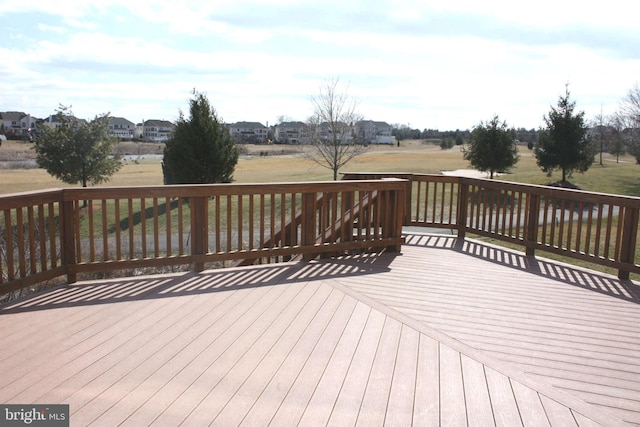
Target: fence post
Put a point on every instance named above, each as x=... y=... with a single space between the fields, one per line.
x=408 y=195
x=69 y=234
x=397 y=208
x=531 y=237
x=199 y=235
x=308 y=222
x=461 y=211
x=628 y=247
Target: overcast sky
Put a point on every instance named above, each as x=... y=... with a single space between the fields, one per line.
x=445 y=65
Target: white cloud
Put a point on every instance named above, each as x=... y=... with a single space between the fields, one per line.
x=432 y=64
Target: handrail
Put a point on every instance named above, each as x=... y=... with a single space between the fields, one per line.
x=594 y=227
x=73 y=231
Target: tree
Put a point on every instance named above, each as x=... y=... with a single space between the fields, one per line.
x=201 y=149
x=628 y=122
x=492 y=147
x=331 y=128
x=615 y=138
x=446 y=143
x=564 y=143
x=78 y=151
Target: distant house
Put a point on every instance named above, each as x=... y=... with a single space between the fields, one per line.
x=372 y=132
x=121 y=128
x=292 y=133
x=16 y=124
x=344 y=132
x=249 y=132
x=53 y=121
x=155 y=130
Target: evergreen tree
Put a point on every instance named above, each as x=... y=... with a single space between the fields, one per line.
x=492 y=147
x=201 y=150
x=564 y=143
x=78 y=151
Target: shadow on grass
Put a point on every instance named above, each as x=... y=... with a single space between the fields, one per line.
x=148 y=214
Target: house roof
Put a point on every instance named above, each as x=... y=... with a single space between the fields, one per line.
x=290 y=124
x=375 y=123
x=120 y=121
x=159 y=123
x=248 y=125
x=12 y=115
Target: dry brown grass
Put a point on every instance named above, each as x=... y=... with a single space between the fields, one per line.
x=263 y=164
x=285 y=163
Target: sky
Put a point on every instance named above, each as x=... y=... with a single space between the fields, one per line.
x=425 y=64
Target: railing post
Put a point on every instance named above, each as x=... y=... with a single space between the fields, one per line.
x=396 y=220
x=461 y=211
x=531 y=237
x=408 y=195
x=69 y=236
x=628 y=247
x=199 y=235
x=308 y=222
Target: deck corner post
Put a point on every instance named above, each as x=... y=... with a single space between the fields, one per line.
x=308 y=223
x=69 y=236
x=198 y=206
x=408 y=194
x=628 y=247
x=461 y=211
x=398 y=218
x=531 y=236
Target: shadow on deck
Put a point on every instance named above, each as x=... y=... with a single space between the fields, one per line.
x=443 y=333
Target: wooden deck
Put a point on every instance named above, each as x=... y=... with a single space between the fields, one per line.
x=438 y=335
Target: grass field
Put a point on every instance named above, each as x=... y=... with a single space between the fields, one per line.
x=278 y=163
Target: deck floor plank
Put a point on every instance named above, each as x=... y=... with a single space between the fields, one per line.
x=185 y=362
x=486 y=336
x=295 y=402
x=355 y=382
x=263 y=372
x=267 y=404
x=192 y=386
x=451 y=388
x=476 y=392
x=566 y=326
x=374 y=403
x=244 y=364
x=328 y=387
x=427 y=398
x=400 y=405
x=130 y=380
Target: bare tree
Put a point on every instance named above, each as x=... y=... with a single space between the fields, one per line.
x=332 y=128
x=628 y=118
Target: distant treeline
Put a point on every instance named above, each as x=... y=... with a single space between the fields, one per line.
x=402 y=132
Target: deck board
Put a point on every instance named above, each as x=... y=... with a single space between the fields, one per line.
x=542 y=318
x=441 y=334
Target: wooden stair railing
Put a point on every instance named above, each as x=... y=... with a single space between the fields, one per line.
x=341 y=228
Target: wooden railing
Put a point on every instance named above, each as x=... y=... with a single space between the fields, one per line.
x=85 y=230
x=593 y=227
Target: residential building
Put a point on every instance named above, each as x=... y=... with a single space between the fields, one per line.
x=344 y=132
x=53 y=121
x=372 y=132
x=121 y=128
x=156 y=130
x=292 y=133
x=16 y=124
x=249 y=132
